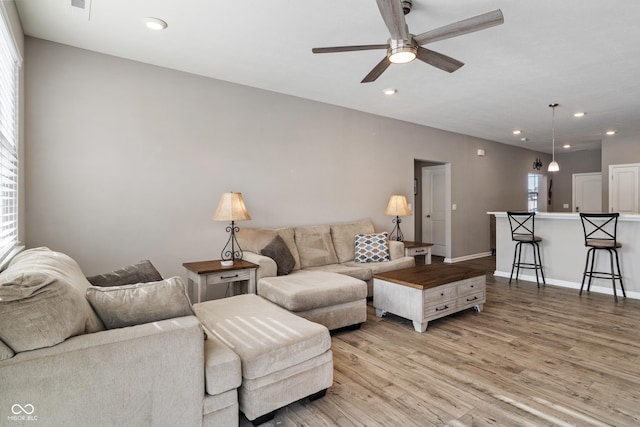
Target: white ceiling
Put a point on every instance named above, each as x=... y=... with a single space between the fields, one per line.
x=582 y=54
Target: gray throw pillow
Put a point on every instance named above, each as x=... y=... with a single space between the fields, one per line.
x=128 y=305
x=140 y=272
x=372 y=247
x=278 y=251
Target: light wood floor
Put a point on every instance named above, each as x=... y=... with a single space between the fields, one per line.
x=532 y=357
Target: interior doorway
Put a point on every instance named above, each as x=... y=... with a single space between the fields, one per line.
x=433 y=206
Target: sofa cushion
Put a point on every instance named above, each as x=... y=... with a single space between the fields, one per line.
x=42 y=301
x=140 y=272
x=267 y=338
x=383 y=267
x=315 y=246
x=372 y=247
x=222 y=370
x=128 y=305
x=255 y=239
x=306 y=290
x=361 y=271
x=5 y=351
x=343 y=236
x=278 y=251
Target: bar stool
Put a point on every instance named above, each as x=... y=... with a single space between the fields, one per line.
x=600 y=233
x=523 y=231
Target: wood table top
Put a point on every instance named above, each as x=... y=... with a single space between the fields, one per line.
x=429 y=275
x=203 y=267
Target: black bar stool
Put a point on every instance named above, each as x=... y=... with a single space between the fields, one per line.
x=600 y=231
x=523 y=231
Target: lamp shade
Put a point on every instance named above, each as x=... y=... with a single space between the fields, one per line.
x=231 y=208
x=398 y=206
x=553 y=167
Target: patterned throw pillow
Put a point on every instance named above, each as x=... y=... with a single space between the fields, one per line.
x=372 y=247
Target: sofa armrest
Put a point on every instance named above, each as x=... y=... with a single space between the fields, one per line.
x=396 y=249
x=268 y=267
x=148 y=374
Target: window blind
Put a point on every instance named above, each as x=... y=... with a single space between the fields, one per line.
x=9 y=67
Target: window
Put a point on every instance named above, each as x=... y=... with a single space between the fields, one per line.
x=9 y=67
x=534 y=191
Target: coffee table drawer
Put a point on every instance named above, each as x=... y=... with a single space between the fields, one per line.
x=439 y=295
x=471 y=299
x=446 y=308
x=471 y=286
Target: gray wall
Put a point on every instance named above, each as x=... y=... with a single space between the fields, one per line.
x=570 y=163
x=126 y=161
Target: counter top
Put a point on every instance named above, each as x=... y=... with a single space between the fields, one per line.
x=569 y=215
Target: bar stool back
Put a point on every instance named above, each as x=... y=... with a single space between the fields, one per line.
x=600 y=233
x=523 y=231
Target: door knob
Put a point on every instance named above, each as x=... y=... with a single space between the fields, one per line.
x=428 y=216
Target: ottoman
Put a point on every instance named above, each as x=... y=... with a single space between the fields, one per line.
x=284 y=357
x=331 y=299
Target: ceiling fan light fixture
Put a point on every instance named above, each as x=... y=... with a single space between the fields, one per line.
x=402 y=51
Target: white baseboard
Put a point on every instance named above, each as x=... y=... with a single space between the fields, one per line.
x=467 y=257
x=566 y=284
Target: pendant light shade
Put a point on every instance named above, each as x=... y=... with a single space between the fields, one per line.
x=553 y=166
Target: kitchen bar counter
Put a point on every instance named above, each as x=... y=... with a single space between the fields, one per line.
x=564 y=254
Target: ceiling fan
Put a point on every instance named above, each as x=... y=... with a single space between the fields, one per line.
x=404 y=47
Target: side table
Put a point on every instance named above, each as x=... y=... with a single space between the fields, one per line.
x=204 y=273
x=418 y=248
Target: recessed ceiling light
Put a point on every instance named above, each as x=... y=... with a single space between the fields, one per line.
x=524 y=139
x=155 y=24
x=517 y=132
x=390 y=91
x=579 y=114
x=611 y=132
x=566 y=146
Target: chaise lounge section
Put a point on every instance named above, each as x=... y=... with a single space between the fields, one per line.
x=313 y=271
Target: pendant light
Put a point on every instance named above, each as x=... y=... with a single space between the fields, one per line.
x=553 y=166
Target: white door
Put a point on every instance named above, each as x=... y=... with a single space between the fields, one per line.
x=624 y=184
x=434 y=217
x=587 y=192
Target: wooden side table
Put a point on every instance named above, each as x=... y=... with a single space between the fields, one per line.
x=204 y=273
x=418 y=248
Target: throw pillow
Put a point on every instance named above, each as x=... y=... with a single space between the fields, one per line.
x=128 y=305
x=42 y=301
x=372 y=247
x=315 y=246
x=140 y=272
x=278 y=251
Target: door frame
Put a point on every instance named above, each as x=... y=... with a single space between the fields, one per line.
x=418 y=165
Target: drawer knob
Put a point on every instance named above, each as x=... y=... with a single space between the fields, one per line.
x=442 y=308
x=472 y=299
x=441 y=294
x=228 y=277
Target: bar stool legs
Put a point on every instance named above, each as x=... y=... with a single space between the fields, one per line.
x=613 y=275
x=536 y=265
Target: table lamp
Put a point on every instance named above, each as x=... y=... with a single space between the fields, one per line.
x=231 y=208
x=397 y=207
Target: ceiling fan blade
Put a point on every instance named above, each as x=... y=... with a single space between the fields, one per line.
x=469 y=25
x=391 y=11
x=377 y=70
x=439 y=60
x=348 y=48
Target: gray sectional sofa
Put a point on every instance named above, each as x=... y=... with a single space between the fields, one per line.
x=60 y=365
x=320 y=272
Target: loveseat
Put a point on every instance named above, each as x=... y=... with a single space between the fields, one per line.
x=323 y=272
x=66 y=361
